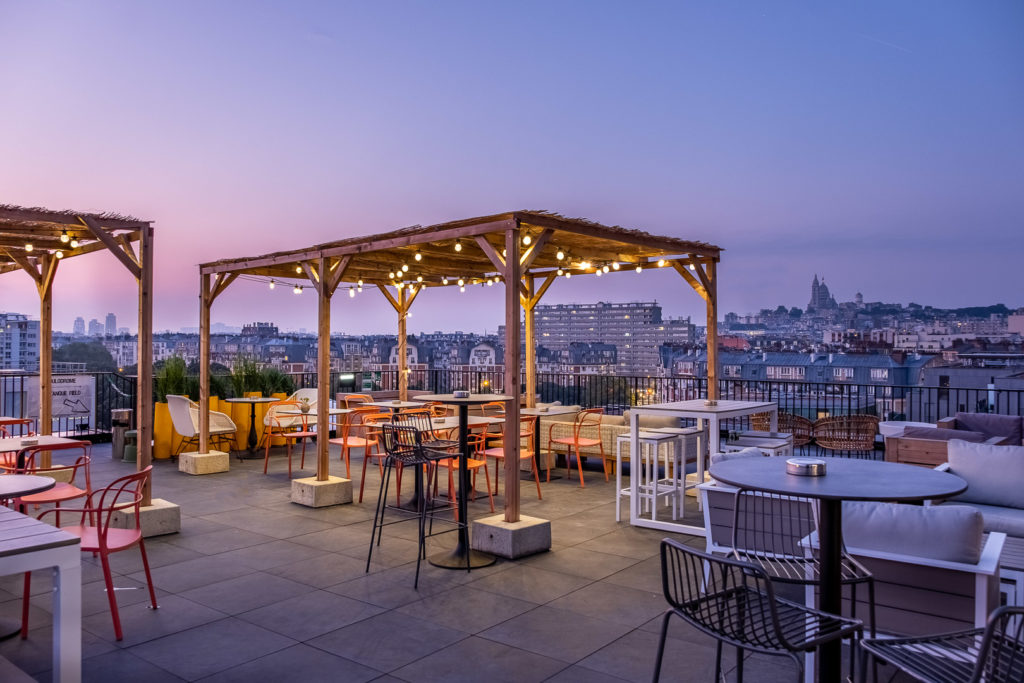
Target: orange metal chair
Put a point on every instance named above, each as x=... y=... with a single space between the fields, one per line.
x=586 y=432
x=353 y=400
x=477 y=443
x=289 y=427
x=527 y=427
x=99 y=537
x=360 y=431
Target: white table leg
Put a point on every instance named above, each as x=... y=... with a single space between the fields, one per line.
x=618 y=480
x=67 y=619
x=774 y=420
x=635 y=466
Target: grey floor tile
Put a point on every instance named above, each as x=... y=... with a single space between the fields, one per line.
x=297 y=663
x=393 y=588
x=246 y=592
x=159 y=554
x=534 y=585
x=632 y=658
x=467 y=609
x=322 y=571
x=476 y=659
x=620 y=604
x=579 y=562
x=388 y=641
x=221 y=540
x=629 y=542
x=645 y=576
x=556 y=633
x=272 y=554
x=211 y=648
x=579 y=674
x=35 y=655
x=122 y=666
x=94 y=595
x=337 y=539
x=270 y=523
x=311 y=614
x=141 y=623
x=190 y=574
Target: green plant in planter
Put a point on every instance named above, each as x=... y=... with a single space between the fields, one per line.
x=173 y=378
x=246 y=377
x=276 y=382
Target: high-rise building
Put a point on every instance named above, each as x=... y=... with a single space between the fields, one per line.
x=635 y=329
x=79 y=328
x=111 y=325
x=95 y=328
x=19 y=342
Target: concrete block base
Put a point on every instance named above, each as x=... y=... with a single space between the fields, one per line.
x=162 y=517
x=317 y=494
x=513 y=540
x=204 y=463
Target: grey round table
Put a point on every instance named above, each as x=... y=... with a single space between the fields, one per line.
x=15 y=485
x=845 y=480
x=463 y=556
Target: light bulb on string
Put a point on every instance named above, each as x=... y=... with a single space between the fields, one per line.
x=527 y=239
x=615 y=265
x=661 y=263
x=444 y=280
x=298 y=270
x=598 y=272
x=605 y=268
x=462 y=288
x=693 y=268
x=29 y=247
x=490 y=282
x=59 y=254
x=462 y=282
x=64 y=236
x=639 y=269
x=458 y=245
x=391 y=275
x=360 y=283
x=568 y=275
x=405 y=267
x=418 y=256
x=298 y=289
x=560 y=255
x=351 y=293
x=561 y=272
x=74 y=243
x=272 y=284
x=419 y=278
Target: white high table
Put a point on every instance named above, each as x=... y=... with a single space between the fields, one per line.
x=695 y=409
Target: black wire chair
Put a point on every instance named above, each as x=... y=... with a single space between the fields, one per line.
x=424 y=422
x=734 y=602
x=768 y=530
x=403 y=445
x=994 y=654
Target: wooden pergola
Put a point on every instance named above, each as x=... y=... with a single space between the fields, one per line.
x=529 y=248
x=36 y=241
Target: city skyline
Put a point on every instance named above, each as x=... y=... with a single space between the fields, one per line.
x=875 y=143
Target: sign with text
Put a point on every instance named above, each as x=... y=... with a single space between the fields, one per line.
x=72 y=400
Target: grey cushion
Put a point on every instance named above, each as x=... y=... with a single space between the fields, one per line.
x=736 y=455
x=613 y=421
x=652 y=421
x=993 y=473
x=1008 y=520
x=942 y=434
x=1008 y=426
x=952 y=533
x=548 y=405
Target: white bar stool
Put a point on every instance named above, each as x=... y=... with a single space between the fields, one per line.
x=644 y=475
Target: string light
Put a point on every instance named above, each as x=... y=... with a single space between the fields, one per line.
x=458 y=245
x=639 y=269
x=605 y=268
x=418 y=256
x=693 y=268
x=359 y=288
x=527 y=239
x=585 y=265
x=272 y=284
x=598 y=272
x=560 y=255
x=568 y=275
x=444 y=280
x=419 y=278
x=64 y=236
x=405 y=267
x=59 y=254
x=615 y=265
x=298 y=270
x=74 y=243
x=490 y=282
x=561 y=272
x=29 y=247
x=462 y=288
x=461 y=282
x=391 y=275
x=661 y=263
x=298 y=289
x=360 y=283
x=351 y=293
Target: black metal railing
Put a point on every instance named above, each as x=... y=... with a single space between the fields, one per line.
x=84 y=407
x=615 y=393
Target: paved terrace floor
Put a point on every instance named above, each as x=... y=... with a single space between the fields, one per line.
x=256 y=588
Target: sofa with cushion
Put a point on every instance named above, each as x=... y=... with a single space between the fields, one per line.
x=927 y=446
x=995 y=483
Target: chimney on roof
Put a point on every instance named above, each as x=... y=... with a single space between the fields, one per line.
x=831 y=357
x=764 y=356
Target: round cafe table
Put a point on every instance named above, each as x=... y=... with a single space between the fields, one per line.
x=16 y=485
x=844 y=480
x=252 y=401
x=463 y=557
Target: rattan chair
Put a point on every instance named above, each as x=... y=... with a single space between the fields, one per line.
x=846 y=433
x=994 y=654
x=800 y=427
x=734 y=602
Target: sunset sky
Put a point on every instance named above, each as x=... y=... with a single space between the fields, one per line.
x=880 y=144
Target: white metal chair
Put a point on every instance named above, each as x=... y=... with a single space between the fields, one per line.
x=185 y=418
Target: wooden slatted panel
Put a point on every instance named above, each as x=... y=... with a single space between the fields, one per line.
x=21 y=534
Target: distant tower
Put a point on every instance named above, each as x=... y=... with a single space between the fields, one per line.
x=859 y=299
x=111 y=325
x=79 y=328
x=813 y=303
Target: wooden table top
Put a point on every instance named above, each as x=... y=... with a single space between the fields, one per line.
x=14 y=443
x=21 y=534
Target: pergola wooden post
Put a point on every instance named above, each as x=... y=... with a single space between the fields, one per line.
x=402 y=304
x=530 y=297
x=210 y=287
x=702 y=275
